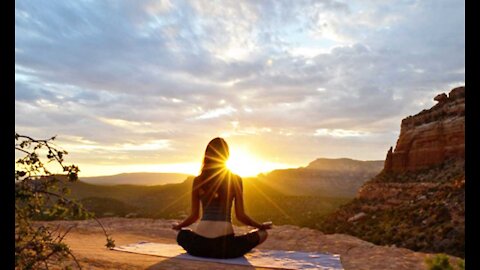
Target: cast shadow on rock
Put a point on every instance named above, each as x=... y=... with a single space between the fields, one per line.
x=180 y=263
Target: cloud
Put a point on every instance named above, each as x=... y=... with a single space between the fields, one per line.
x=339 y=132
x=135 y=73
x=216 y=113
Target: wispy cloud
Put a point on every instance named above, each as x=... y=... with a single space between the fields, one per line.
x=217 y=113
x=339 y=133
x=126 y=74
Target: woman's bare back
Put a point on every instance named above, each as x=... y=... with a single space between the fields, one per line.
x=213 y=228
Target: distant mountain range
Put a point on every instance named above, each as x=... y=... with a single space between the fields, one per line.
x=324 y=177
x=345 y=165
x=293 y=196
x=340 y=177
x=141 y=179
x=172 y=201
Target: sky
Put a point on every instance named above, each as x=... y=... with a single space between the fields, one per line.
x=143 y=86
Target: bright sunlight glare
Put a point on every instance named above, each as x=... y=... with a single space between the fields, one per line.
x=245 y=164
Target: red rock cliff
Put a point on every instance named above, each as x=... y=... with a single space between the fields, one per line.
x=431 y=136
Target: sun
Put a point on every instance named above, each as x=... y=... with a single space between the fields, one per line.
x=245 y=164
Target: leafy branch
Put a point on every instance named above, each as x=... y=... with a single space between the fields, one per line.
x=41 y=195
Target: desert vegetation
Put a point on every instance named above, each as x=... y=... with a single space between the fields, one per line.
x=422 y=211
x=40 y=195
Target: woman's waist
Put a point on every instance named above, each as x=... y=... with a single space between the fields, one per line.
x=216 y=213
x=214 y=228
x=216 y=216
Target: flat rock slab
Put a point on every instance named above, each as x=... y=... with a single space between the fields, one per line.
x=276 y=259
x=88 y=244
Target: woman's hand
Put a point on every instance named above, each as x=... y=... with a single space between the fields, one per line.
x=176 y=227
x=265 y=225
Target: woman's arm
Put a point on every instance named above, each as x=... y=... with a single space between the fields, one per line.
x=195 y=212
x=240 y=209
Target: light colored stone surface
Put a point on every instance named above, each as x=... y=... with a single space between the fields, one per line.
x=87 y=243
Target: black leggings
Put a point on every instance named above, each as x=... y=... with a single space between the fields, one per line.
x=227 y=246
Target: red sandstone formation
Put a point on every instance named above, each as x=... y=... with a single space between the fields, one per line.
x=431 y=136
x=412 y=207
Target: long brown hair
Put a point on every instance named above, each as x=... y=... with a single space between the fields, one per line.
x=214 y=174
x=216 y=155
x=213 y=167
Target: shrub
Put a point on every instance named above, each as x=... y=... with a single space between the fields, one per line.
x=39 y=195
x=439 y=262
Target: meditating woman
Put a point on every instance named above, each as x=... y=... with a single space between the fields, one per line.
x=215 y=189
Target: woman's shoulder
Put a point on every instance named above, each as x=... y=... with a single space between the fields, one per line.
x=232 y=175
x=236 y=177
x=197 y=179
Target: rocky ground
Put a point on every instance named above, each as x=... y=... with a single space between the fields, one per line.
x=422 y=211
x=87 y=242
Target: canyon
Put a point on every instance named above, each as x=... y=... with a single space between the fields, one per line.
x=418 y=200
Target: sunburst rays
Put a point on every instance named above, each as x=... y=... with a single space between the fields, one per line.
x=276 y=206
x=194 y=187
x=215 y=169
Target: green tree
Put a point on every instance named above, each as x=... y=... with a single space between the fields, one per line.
x=39 y=194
